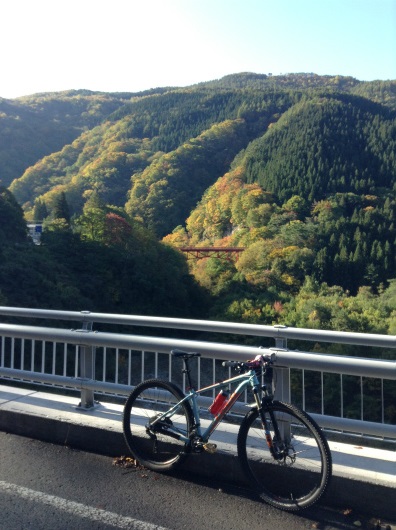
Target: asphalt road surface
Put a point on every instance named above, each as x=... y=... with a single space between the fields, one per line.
x=51 y=487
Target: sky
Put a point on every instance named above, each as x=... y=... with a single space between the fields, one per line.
x=135 y=45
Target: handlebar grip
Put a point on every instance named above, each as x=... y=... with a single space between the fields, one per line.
x=230 y=364
x=268 y=359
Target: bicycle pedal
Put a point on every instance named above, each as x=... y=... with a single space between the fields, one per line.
x=210 y=448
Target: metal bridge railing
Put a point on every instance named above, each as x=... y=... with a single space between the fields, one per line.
x=347 y=394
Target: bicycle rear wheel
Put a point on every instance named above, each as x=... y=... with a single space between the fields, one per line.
x=150 y=444
x=301 y=476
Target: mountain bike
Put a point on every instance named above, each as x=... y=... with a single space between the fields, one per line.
x=283 y=452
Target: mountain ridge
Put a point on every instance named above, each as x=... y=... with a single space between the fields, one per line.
x=299 y=170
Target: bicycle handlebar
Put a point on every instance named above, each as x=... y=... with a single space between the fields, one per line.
x=258 y=362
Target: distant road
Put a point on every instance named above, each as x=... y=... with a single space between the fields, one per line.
x=50 y=487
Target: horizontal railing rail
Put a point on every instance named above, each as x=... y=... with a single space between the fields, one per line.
x=258 y=330
x=71 y=358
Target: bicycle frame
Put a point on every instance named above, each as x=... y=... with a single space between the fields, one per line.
x=243 y=381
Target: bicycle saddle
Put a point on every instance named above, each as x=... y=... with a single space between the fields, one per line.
x=185 y=354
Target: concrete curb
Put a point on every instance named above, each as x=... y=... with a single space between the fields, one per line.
x=58 y=420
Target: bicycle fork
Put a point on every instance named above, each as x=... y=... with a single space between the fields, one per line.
x=277 y=454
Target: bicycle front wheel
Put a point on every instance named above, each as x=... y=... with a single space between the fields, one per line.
x=155 y=443
x=301 y=474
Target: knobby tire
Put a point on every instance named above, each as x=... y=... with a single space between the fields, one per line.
x=153 y=448
x=299 y=479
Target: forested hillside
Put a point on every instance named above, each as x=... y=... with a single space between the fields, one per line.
x=299 y=170
x=35 y=126
x=107 y=263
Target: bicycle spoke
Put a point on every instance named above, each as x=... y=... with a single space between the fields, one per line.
x=151 y=437
x=300 y=474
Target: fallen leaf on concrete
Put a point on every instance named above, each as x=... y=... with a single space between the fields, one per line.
x=125 y=461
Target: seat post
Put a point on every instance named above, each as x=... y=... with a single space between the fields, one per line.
x=186 y=357
x=186 y=370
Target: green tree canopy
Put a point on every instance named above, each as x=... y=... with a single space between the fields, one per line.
x=12 y=224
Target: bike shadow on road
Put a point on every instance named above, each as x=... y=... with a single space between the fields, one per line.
x=320 y=515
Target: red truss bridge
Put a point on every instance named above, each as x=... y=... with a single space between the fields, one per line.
x=227 y=253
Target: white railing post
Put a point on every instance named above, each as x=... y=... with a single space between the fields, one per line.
x=87 y=368
x=281 y=379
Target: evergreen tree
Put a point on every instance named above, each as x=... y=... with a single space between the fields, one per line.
x=40 y=211
x=12 y=224
x=60 y=209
